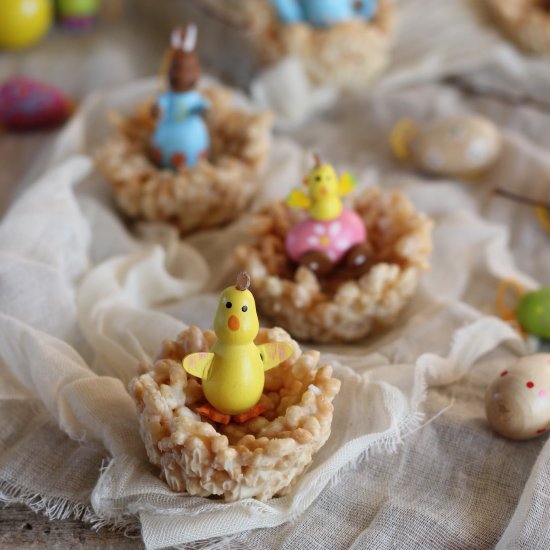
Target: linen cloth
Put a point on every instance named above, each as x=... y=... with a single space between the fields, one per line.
x=411 y=461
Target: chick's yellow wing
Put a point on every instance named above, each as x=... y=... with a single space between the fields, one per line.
x=274 y=353
x=346 y=184
x=198 y=364
x=298 y=199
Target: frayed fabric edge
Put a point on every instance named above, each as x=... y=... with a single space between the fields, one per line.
x=58 y=508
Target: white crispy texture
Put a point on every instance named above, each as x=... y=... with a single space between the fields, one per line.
x=348 y=55
x=260 y=458
x=401 y=239
x=215 y=192
x=525 y=22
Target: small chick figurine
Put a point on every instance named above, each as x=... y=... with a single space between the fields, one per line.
x=330 y=233
x=324 y=13
x=233 y=372
x=181 y=135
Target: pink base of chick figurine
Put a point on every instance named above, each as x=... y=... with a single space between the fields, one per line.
x=232 y=373
x=330 y=234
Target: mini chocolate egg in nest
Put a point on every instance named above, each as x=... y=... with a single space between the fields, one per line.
x=527 y=22
x=259 y=458
x=341 y=306
x=191 y=159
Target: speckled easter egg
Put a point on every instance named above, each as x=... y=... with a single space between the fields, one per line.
x=533 y=313
x=462 y=145
x=333 y=237
x=27 y=104
x=517 y=403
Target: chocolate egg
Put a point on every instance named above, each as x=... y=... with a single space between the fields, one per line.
x=517 y=403
x=457 y=146
x=533 y=313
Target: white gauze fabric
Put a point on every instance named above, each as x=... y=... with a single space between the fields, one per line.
x=83 y=302
x=411 y=462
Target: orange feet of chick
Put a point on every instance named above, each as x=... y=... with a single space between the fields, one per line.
x=255 y=411
x=210 y=412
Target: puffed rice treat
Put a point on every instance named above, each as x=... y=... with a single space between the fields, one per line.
x=215 y=192
x=260 y=458
x=347 y=55
x=525 y=21
x=336 y=309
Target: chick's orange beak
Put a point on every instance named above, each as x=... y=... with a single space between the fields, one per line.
x=233 y=323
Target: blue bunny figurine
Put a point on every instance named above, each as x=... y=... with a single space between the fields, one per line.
x=289 y=11
x=181 y=135
x=324 y=13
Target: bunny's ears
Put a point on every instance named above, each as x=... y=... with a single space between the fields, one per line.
x=185 y=42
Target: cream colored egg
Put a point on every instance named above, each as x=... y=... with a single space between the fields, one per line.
x=517 y=403
x=458 y=146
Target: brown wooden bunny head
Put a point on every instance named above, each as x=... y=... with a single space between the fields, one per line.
x=185 y=69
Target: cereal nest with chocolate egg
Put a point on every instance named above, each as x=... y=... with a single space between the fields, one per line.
x=346 y=55
x=214 y=192
x=259 y=458
x=339 y=308
x=527 y=22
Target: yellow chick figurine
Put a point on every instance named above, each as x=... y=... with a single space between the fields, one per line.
x=324 y=189
x=330 y=234
x=233 y=372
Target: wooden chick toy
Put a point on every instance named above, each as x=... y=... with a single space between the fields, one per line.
x=181 y=136
x=233 y=372
x=517 y=403
x=461 y=146
x=330 y=233
x=324 y=13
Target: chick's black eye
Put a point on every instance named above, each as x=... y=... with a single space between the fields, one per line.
x=228 y=305
x=245 y=308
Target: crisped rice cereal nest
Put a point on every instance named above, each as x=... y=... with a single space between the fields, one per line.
x=347 y=55
x=260 y=458
x=339 y=310
x=215 y=192
x=525 y=21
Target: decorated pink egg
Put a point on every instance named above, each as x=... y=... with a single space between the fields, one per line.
x=517 y=402
x=331 y=237
x=27 y=104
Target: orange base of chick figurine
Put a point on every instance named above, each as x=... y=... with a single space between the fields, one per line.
x=211 y=412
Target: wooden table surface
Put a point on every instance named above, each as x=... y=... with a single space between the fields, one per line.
x=20 y=527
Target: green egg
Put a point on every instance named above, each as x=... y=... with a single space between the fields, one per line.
x=78 y=8
x=533 y=313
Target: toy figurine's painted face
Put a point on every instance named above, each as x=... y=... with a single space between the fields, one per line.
x=322 y=183
x=184 y=71
x=185 y=68
x=236 y=320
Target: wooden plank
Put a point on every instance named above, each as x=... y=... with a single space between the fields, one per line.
x=20 y=527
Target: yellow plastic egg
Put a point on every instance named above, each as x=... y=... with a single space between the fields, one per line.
x=23 y=22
